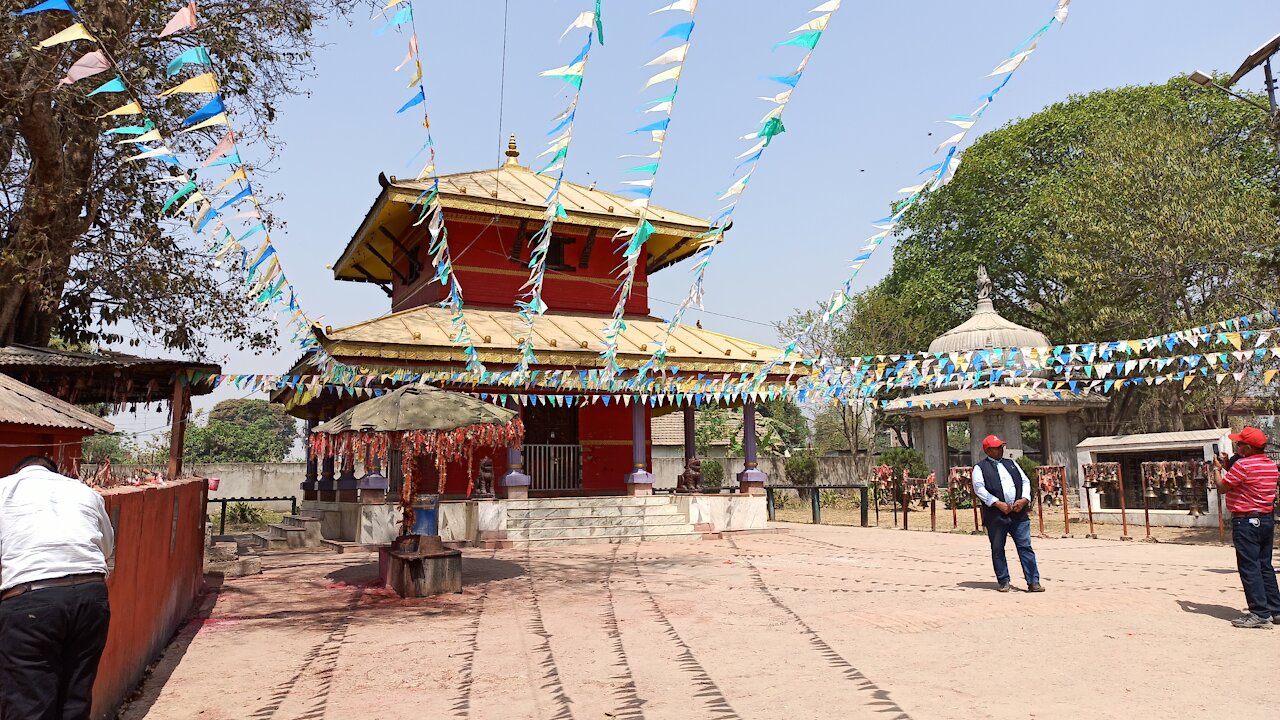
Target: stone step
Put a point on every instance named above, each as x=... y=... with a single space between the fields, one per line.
x=613 y=500
x=599 y=531
x=342 y=546
x=639 y=511
x=265 y=541
x=552 y=542
x=310 y=524
x=633 y=521
x=234 y=568
x=222 y=552
x=294 y=537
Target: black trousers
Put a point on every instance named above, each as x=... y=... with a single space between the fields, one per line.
x=50 y=643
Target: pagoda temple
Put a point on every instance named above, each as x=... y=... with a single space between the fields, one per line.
x=575 y=444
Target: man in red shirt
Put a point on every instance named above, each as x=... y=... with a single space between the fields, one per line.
x=1250 y=487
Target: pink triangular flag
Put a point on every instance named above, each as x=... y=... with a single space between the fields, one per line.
x=413 y=52
x=184 y=19
x=90 y=64
x=223 y=147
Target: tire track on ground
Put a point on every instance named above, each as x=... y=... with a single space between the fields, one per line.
x=881 y=700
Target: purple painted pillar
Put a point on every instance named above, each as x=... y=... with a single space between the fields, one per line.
x=690 y=435
x=639 y=480
x=750 y=480
x=308 y=486
x=515 y=481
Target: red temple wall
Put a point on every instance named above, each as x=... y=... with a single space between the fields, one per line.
x=604 y=433
x=491 y=279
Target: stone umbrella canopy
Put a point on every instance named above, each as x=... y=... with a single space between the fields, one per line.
x=997 y=409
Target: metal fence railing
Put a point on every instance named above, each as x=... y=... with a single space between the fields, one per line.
x=222 y=517
x=554 y=467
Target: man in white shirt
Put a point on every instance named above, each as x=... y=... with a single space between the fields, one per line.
x=1005 y=492
x=55 y=545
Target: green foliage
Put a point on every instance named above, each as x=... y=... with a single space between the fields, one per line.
x=240 y=513
x=711 y=425
x=712 y=474
x=786 y=420
x=1028 y=466
x=801 y=468
x=902 y=458
x=241 y=431
x=87 y=252
x=115 y=447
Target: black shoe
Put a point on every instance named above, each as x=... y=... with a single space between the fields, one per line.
x=1003 y=587
x=1035 y=587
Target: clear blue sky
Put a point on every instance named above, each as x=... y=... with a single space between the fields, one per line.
x=858 y=128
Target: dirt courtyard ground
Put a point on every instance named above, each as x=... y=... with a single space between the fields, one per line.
x=818 y=622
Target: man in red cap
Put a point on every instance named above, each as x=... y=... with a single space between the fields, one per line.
x=1250 y=487
x=1005 y=493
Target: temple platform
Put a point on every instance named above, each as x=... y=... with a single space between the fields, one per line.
x=539 y=522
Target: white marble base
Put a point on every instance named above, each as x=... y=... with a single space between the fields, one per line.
x=725 y=512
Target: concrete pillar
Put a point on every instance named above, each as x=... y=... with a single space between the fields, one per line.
x=932 y=441
x=347 y=487
x=751 y=480
x=1060 y=445
x=639 y=480
x=327 y=485
x=516 y=481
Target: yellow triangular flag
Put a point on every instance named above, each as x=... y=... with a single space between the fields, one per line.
x=143 y=138
x=237 y=175
x=129 y=108
x=665 y=75
x=417 y=74
x=219 y=119
x=205 y=83
x=75 y=32
x=1268 y=376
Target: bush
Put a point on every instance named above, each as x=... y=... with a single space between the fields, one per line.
x=1028 y=466
x=801 y=468
x=245 y=514
x=909 y=459
x=712 y=474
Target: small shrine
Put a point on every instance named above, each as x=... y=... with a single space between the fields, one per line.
x=948 y=424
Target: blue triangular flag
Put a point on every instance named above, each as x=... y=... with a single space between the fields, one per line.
x=417 y=99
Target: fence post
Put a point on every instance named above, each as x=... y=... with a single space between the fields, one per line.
x=222 y=519
x=1066 y=506
x=1124 y=513
x=769 y=506
x=865 y=519
x=933 y=515
x=1040 y=508
x=293 y=505
x=817 y=507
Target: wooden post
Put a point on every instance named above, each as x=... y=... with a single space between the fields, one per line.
x=893 y=498
x=1066 y=506
x=955 y=517
x=973 y=502
x=1040 y=507
x=1088 y=503
x=177 y=426
x=933 y=515
x=1146 y=507
x=1124 y=514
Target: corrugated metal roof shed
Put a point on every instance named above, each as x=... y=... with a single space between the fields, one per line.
x=1186 y=437
x=24 y=405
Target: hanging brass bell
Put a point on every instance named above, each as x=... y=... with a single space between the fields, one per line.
x=1151 y=492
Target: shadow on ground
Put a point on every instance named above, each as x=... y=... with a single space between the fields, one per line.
x=1221 y=612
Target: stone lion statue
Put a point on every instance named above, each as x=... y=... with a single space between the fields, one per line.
x=484 y=480
x=691 y=478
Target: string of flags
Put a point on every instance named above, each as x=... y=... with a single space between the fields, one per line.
x=806 y=36
x=432 y=212
x=936 y=175
x=265 y=283
x=647 y=170
x=532 y=304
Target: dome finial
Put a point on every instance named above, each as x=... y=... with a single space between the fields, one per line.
x=984 y=291
x=513 y=153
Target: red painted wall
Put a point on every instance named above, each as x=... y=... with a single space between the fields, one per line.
x=159 y=572
x=605 y=435
x=491 y=279
x=61 y=444
x=456 y=473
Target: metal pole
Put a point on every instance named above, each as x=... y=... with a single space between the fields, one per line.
x=222 y=520
x=933 y=515
x=1275 y=108
x=773 y=510
x=1222 y=531
x=817 y=506
x=864 y=505
x=1066 y=506
x=893 y=498
x=1040 y=508
x=1146 y=507
x=973 y=502
x=293 y=505
x=1124 y=515
x=877 y=504
x=1088 y=503
x=955 y=517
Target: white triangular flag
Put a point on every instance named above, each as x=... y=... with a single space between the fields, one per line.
x=818 y=23
x=827 y=7
x=674 y=55
x=683 y=5
x=664 y=76
x=953 y=140
x=1012 y=63
x=584 y=20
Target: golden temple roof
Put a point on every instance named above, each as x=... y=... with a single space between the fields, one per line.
x=425 y=334
x=516 y=193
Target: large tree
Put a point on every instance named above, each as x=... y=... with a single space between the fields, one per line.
x=242 y=431
x=1118 y=214
x=85 y=252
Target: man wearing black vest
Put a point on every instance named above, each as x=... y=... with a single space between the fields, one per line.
x=1005 y=493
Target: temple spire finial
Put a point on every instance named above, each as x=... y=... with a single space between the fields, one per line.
x=513 y=153
x=984 y=291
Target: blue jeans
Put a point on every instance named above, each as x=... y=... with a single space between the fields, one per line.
x=999 y=529
x=1253 y=560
